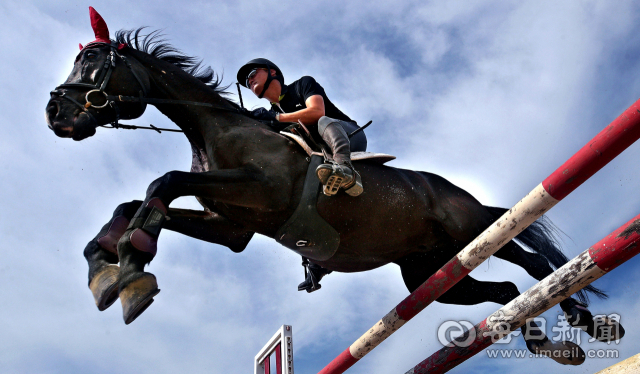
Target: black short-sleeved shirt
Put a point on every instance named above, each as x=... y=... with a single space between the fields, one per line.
x=296 y=94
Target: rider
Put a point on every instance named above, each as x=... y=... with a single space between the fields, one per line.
x=305 y=100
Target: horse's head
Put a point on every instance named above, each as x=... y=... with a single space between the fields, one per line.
x=102 y=71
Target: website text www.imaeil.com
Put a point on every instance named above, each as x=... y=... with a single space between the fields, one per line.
x=524 y=353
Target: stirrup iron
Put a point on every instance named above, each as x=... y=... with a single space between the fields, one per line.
x=313 y=274
x=333 y=176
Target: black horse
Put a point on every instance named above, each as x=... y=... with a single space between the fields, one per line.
x=249 y=179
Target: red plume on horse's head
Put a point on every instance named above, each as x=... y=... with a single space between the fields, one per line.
x=99 y=26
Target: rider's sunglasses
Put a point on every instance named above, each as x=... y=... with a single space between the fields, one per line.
x=252 y=74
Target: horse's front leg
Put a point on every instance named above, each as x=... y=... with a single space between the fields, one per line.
x=102 y=255
x=138 y=245
x=209 y=227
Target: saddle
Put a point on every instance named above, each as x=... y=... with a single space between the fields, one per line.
x=380 y=158
x=306 y=232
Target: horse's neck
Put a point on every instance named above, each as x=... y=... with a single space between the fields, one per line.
x=172 y=83
x=212 y=132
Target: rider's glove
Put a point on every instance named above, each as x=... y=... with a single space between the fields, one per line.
x=261 y=114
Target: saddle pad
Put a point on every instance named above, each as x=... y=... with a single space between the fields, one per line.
x=380 y=158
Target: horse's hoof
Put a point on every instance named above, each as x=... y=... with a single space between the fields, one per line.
x=605 y=329
x=601 y=328
x=565 y=353
x=137 y=296
x=104 y=286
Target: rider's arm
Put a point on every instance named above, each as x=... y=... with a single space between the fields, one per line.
x=309 y=115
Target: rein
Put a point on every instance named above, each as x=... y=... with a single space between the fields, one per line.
x=111 y=101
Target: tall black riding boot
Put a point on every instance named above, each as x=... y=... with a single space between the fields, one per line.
x=339 y=173
x=313 y=274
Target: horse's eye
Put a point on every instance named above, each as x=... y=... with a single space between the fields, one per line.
x=90 y=55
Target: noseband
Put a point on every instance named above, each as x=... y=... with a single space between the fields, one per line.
x=99 y=89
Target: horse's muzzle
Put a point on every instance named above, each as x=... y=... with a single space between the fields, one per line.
x=68 y=122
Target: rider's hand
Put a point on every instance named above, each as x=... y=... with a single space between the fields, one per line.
x=261 y=114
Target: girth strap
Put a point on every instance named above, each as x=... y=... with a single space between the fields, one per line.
x=306 y=232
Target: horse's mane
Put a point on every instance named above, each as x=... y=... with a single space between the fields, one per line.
x=155 y=45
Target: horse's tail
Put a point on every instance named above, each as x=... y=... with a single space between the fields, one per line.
x=542 y=238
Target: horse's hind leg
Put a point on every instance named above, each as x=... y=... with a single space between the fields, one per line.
x=470 y=291
x=534 y=264
x=577 y=314
x=463 y=218
x=102 y=255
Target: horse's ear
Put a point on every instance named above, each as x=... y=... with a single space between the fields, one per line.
x=80 y=45
x=99 y=26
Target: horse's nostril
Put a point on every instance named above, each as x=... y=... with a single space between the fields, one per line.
x=52 y=110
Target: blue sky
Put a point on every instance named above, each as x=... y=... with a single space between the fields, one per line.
x=492 y=95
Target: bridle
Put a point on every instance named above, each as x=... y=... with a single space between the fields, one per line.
x=112 y=101
x=98 y=88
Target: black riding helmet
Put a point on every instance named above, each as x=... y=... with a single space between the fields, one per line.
x=260 y=63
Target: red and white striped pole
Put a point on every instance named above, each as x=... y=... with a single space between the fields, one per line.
x=604 y=147
x=609 y=253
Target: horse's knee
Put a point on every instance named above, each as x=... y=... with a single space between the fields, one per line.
x=158 y=184
x=127 y=210
x=505 y=292
x=161 y=186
